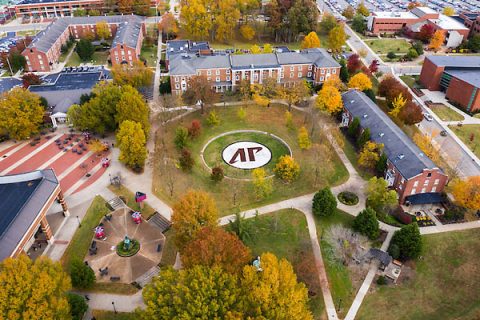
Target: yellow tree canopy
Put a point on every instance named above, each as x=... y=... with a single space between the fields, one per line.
x=329 y=99
x=370 y=154
x=398 y=104
x=448 y=11
x=304 y=141
x=287 y=168
x=132 y=144
x=247 y=32
x=336 y=38
x=437 y=40
x=255 y=49
x=137 y=75
x=360 y=81
x=103 y=31
x=467 y=192
x=424 y=142
x=311 y=40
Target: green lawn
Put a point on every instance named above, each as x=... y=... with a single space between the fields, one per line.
x=352 y=155
x=78 y=246
x=384 y=46
x=410 y=81
x=147 y=211
x=170 y=182
x=169 y=252
x=149 y=53
x=477 y=116
x=445 y=113
x=446 y=283
x=213 y=153
x=339 y=277
x=285 y=234
x=98 y=58
x=64 y=55
x=110 y=315
x=466 y=133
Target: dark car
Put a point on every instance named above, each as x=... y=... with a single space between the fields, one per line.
x=443 y=133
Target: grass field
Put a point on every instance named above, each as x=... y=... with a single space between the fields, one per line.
x=384 y=46
x=110 y=315
x=78 y=247
x=339 y=277
x=410 y=81
x=446 y=114
x=170 y=182
x=352 y=155
x=149 y=53
x=213 y=153
x=446 y=283
x=98 y=58
x=285 y=234
x=147 y=211
x=466 y=132
x=169 y=252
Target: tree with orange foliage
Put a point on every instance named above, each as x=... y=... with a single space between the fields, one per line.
x=214 y=246
x=467 y=192
x=437 y=40
x=169 y=24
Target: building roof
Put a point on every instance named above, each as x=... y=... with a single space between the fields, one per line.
x=448 y=23
x=27 y=2
x=185 y=46
x=455 y=61
x=469 y=76
x=7 y=84
x=127 y=33
x=395 y=15
x=421 y=11
x=251 y=61
x=23 y=198
x=399 y=148
x=425 y=198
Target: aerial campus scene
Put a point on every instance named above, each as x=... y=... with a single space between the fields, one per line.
x=239 y=159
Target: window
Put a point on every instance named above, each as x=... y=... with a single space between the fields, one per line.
x=334 y=71
x=426 y=182
x=116 y=53
x=39 y=57
x=321 y=78
x=199 y=73
x=292 y=68
x=281 y=75
x=228 y=78
x=177 y=86
x=209 y=79
x=228 y=71
x=217 y=79
x=310 y=67
x=217 y=72
x=291 y=74
x=403 y=180
x=183 y=78
x=424 y=190
x=429 y=174
x=328 y=71
x=414 y=191
x=123 y=52
x=209 y=72
x=415 y=184
x=309 y=74
x=237 y=77
x=434 y=189
x=437 y=181
x=322 y=71
x=300 y=75
x=299 y=68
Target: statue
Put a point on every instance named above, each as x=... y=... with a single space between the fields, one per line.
x=256 y=264
x=126 y=243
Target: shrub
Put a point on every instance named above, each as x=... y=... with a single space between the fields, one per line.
x=367 y=224
x=391 y=55
x=287 y=168
x=348 y=198
x=412 y=54
x=418 y=46
x=81 y=274
x=181 y=137
x=213 y=119
x=455 y=213
x=78 y=306
x=409 y=242
x=324 y=202
x=381 y=281
x=186 y=160
x=394 y=251
x=195 y=129
x=217 y=174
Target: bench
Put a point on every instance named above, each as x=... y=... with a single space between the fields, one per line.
x=114 y=278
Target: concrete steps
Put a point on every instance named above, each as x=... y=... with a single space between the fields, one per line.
x=117 y=203
x=160 y=221
x=146 y=278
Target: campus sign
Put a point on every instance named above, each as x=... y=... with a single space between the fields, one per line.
x=246 y=155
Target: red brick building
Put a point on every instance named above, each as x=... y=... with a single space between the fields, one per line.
x=457 y=76
x=415 y=178
x=225 y=71
x=471 y=20
x=393 y=22
x=45 y=50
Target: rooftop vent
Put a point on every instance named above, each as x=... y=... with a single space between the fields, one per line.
x=352 y=101
x=365 y=116
x=381 y=134
x=401 y=156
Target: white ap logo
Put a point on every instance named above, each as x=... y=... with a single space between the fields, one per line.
x=246 y=155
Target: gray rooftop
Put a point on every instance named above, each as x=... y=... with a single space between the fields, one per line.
x=6 y=84
x=399 y=148
x=469 y=76
x=23 y=197
x=251 y=61
x=455 y=61
x=126 y=34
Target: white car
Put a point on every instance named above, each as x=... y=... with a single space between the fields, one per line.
x=427 y=116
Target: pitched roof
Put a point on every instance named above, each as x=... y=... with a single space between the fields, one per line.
x=250 y=61
x=381 y=255
x=127 y=33
x=399 y=148
x=6 y=84
x=23 y=198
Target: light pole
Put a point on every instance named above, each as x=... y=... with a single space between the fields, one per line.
x=114 y=309
x=79 y=223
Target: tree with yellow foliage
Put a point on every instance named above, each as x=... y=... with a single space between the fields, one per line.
x=370 y=154
x=360 y=81
x=225 y=20
x=255 y=49
x=168 y=24
x=33 y=290
x=137 y=75
x=448 y=11
x=362 y=9
x=262 y=185
x=398 y=103
x=261 y=100
x=247 y=32
x=274 y=293
x=337 y=38
x=195 y=210
x=294 y=93
x=103 y=31
x=437 y=40
x=467 y=192
x=196 y=20
x=329 y=99
x=424 y=142
x=334 y=82
x=287 y=169
x=311 y=40
x=304 y=141
x=267 y=48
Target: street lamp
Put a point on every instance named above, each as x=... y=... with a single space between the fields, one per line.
x=79 y=223
x=114 y=309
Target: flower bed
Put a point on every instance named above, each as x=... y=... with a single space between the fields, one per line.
x=348 y=198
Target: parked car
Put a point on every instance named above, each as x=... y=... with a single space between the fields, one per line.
x=427 y=117
x=443 y=133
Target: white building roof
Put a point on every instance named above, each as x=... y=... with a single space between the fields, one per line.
x=395 y=15
x=448 y=23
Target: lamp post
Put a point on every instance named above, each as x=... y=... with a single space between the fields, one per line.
x=114 y=309
x=79 y=223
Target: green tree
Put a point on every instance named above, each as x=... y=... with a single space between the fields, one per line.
x=21 y=113
x=364 y=137
x=381 y=165
x=17 y=61
x=263 y=186
x=78 y=306
x=324 y=202
x=354 y=127
x=131 y=106
x=213 y=119
x=367 y=224
x=274 y=293
x=196 y=293
x=474 y=43
x=409 y=242
x=195 y=210
x=131 y=141
x=379 y=197
x=287 y=169
x=327 y=23
x=344 y=75
x=33 y=290
x=181 y=137
x=81 y=274
x=240 y=226
x=337 y=38
x=304 y=141
x=213 y=246
x=85 y=49
x=359 y=24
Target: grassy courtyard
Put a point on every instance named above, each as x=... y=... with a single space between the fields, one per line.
x=319 y=166
x=445 y=284
x=411 y=81
x=445 y=113
x=149 y=53
x=470 y=135
x=285 y=234
x=98 y=58
x=384 y=46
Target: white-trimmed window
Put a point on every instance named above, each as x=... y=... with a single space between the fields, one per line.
x=217 y=72
x=282 y=75
x=291 y=75
x=434 y=189
x=334 y=71
x=209 y=72
x=414 y=191
x=310 y=67
x=292 y=68
x=424 y=190
x=199 y=73
x=299 y=68
x=309 y=74
x=209 y=79
x=255 y=76
x=415 y=184
x=177 y=86
x=426 y=182
x=237 y=77
x=300 y=75
x=321 y=78
x=228 y=71
x=328 y=71
x=322 y=71
x=228 y=78
x=437 y=181
x=217 y=79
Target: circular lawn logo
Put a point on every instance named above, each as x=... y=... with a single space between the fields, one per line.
x=246 y=155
